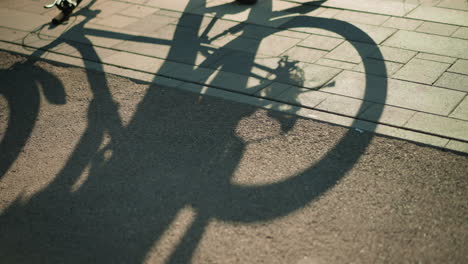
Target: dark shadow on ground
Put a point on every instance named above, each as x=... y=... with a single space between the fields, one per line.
x=174 y=153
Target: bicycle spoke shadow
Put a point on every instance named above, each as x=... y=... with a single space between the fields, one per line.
x=175 y=152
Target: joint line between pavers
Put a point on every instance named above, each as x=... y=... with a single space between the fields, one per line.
x=457 y=105
x=259 y=97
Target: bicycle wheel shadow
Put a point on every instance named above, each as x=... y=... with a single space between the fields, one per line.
x=175 y=152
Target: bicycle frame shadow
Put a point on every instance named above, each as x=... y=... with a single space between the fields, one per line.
x=174 y=153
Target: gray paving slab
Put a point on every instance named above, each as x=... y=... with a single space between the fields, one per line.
x=422 y=71
x=391 y=67
x=109 y=8
x=455 y=4
x=118 y=21
x=454 y=81
x=402 y=94
x=237 y=43
x=437 y=28
x=394 y=8
x=387 y=114
x=233 y=81
x=304 y=54
x=29 y=21
x=462 y=32
x=432 y=57
x=147 y=24
x=320 y=42
x=272 y=90
x=460 y=66
x=343 y=105
x=402 y=23
x=439 y=125
x=422 y=42
x=461 y=112
x=138 y=11
x=135 y=61
x=7 y=34
x=347 y=52
x=393 y=54
x=275 y=45
x=186 y=72
x=309 y=75
x=335 y=64
x=376 y=33
x=441 y=15
x=180 y=5
x=457 y=146
x=301 y=96
x=361 y=17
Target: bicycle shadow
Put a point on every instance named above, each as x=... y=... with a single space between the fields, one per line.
x=174 y=153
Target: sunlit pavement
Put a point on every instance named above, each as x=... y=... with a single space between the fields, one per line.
x=106 y=158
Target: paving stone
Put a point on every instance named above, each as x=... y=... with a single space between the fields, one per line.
x=439 y=125
x=171 y=13
x=391 y=67
x=150 y=24
x=402 y=94
x=301 y=96
x=343 y=105
x=160 y=43
x=304 y=54
x=461 y=112
x=461 y=66
x=360 y=17
x=273 y=90
x=11 y=34
x=186 y=72
x=179 y=5
x=326 y=12
x=455 y=4
x=402 y=23
x=394 y=8
x=9 y=18
x=98 y=35
x=139 y=11
x=246 y=63
x=462 y=32
x=457 y=146
x=134 y=61
x=387 y=114
x=308 y=75
x=276 y=45
x=354 y=31
x=235 y=82
x=320 y=42
x=335 y=64
x=87 y=52
x=237 y=43
x=429 y=43
x=219 y=29
x=254 y=31
x=292 y=34
x=393 y=54
x=262 y=14
x=348 y=51
x=118 y=21
x=454 y=81
x=437 y=28
x=422 y=71
x=109 y=8
x=432 y=57
x=442 y=15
